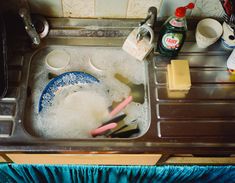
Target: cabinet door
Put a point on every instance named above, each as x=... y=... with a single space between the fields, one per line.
x=101 y=159
x=4 y=159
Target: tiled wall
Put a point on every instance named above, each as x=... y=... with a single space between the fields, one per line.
x=120 y=8
x=208 y=8
x=203 y=8
x=94 y=8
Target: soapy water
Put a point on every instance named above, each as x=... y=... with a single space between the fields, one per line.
x=62 y=120
x=77 y=108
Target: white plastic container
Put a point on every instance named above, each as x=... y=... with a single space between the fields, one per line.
x=231 y=62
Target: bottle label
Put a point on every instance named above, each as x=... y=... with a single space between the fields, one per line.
x=175 y=23
x=172 y=41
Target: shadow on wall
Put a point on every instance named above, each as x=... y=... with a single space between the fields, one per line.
x=169 y=6
x=54 y=8
x=203 y=8
x=42 y=7
x=9 y=5
x=47 y=10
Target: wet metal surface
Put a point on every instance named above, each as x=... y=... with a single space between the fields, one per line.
x=200 y=121
x=207 y=109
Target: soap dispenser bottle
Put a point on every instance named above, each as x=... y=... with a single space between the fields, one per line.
x=173 y=32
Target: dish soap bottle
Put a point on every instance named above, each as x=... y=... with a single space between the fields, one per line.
x=173 y=32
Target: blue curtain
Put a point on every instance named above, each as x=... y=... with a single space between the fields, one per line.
x=121 y=174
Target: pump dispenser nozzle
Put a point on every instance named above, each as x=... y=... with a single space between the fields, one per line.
x=181 y=11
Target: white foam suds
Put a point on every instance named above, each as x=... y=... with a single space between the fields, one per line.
x=78 y=109
x=74 y=114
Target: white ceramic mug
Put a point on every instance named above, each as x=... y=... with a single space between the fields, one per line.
x=139 y=49
x=208 y=32
x=57 y=61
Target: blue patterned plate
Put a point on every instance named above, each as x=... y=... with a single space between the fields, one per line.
x=65 y=79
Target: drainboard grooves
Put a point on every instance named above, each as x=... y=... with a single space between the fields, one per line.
x=196 y=110
x=193 y=120
x=192 y=49
x=9 y=102
x=7 y=108
x=14 y=75
x=198 y=61
x=200 y=76
x=12 y=93
x=6 y=128
x=198 y=92
x=207 y=110
x=196 y=129
x=16 y=62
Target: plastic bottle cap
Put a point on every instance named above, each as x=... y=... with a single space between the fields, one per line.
x=181 y=11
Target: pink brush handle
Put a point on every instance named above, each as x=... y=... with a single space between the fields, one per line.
x=121 y=106
x=103 y=129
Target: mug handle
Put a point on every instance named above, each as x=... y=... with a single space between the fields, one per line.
x=150 y=30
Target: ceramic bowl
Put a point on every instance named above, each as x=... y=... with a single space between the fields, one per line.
x=57 y=61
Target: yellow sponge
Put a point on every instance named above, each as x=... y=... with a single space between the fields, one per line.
x=178 y=75
x=169 y=77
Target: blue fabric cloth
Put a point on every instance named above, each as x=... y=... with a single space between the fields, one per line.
x=121 y=174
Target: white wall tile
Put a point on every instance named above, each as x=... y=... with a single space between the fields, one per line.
x=206 y=8
x=121 y=8
x=51 y=8
x=139 y=8
x=111 y=8
x=78 y=8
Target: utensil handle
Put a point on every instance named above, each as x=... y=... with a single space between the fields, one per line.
x=102 y=129
x=121 y=106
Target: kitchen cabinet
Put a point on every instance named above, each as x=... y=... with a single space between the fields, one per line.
x=4 y=158
x=114 y=159
x=104 y=159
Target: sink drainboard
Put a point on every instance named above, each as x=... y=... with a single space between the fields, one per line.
x=9 y=104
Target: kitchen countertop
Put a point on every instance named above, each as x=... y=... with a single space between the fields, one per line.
x=199 y=122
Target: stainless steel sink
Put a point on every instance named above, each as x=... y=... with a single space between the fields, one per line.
x=201 y=121
x=89 y=59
